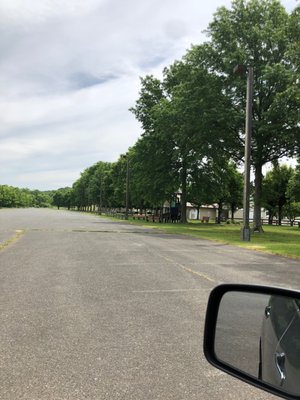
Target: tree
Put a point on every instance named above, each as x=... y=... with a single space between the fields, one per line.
x=98 y=184
x=63 y=197
x=191 y=97
x=153 y=167
x=201 y=189
x=80 y=190
x=182 y=118
x=15 y=197
x=235 y=189
x=256 y=33
x=151 y=180
x=93 y=187
x=293 y=189
x=292 y=211
x=274 y=193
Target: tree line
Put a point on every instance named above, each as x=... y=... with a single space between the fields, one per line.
x=193 y=118
x=102 y=188
x=13 y=197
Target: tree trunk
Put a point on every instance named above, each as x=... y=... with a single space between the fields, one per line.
x=279 y=214
x=257 y=226
x=270 y=218
x=220 y=210
x=198 y=213
x=232 y=212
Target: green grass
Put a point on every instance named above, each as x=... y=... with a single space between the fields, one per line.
x=281 y=240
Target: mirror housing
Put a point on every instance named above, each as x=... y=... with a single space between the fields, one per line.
x=224 y=321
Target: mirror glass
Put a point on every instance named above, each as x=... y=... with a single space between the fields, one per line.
x=260 y=335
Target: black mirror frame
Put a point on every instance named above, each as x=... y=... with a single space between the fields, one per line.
x=210 y=331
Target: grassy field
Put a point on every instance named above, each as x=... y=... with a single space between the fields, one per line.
x=282 y=240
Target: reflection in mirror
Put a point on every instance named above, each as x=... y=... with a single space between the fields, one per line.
x=260 y=335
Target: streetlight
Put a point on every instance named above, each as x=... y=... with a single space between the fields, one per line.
x=101 y=195
x=240 y=70
x=127 y=187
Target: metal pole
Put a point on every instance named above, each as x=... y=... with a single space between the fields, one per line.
x=127 y=189
x=248 y=129
x=100 y=197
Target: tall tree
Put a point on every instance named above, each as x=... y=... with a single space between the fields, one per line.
x=155 y=172
x=183 y=119
x=193 y=114
x=63 y=197
x=256 y=33
x=274 y=194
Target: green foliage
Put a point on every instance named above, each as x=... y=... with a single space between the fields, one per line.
x=293 y=189
x=260 y=33
x=292 y=210
x=193 y=123
x=93 y=187
x=195 y=116
x=275 y=190
x=234 y=181
x=14 y=197
x=63 y=198
x=184 y=123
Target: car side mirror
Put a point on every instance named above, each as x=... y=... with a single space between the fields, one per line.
x=253 y=333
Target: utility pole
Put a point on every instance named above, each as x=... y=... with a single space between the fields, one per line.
x=100 y=197
x=127 y=188
x=242 y=69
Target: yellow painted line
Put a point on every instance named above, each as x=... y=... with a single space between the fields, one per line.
x=13 y=239
x=189 y=269
x=197 y=273
x=166 y=290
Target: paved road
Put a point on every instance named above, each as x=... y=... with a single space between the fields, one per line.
x=98 y=309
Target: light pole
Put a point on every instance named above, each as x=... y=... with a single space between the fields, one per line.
x=100 y=196
x=127 y=187
x=242 y=69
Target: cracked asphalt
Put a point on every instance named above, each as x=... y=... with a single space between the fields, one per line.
x=97 y=309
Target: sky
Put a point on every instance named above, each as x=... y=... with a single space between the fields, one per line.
x=69 y=72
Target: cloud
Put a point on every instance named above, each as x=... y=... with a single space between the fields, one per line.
x=70 y=72
x=71 y=131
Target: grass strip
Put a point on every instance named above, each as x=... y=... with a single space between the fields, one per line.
x=279 y=240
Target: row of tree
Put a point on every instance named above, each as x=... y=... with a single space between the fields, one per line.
x=193 y=118
x=106 y=186
x=14 y=197
x=103 y=187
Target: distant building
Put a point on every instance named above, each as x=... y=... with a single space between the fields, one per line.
x=239 y=213
x=204 y=211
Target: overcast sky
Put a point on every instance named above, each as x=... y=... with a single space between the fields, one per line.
x=69 y=72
